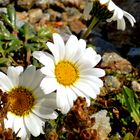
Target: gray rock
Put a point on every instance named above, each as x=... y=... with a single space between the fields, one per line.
x=43 y=4
x=35 y=15
x=26 y=4
x=4 y=2
x=116 y=63
x=134 y=52
x=134 y=56
x=103 y=46
x=112 y=83
x=3 y=10
x=135 y=86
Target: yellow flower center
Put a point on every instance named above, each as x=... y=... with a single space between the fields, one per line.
x=21 y=101
x=66 y=73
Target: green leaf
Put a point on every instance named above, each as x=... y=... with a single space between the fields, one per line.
x=27 y=31
x=3 y=61
x=32 y=46
x=44 y=33
x=5 y=19
x=128 y=136
x=133 y=104
x=14 y=45
x=12 y=15
x=3 y=31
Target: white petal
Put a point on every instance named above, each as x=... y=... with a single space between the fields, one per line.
x=71 y=47
x=38 y=93
x=65 y=109
x=82 y=44
x=34 y=124
x=44 y=112
x=54 y=115
x=92 y=56
x=119 y=13
x=95 y=87
x=9 y=122
x=59 y=44
x=114 y=17
x=44 y=58
x=54 y=51
x=80 y=94
x=18 y=122
x=5 y=83
x=86 y=89
x=25 y=136
x=121 y=24
x=61 y=99
x=111 y=6
x=13 y=74
x=24 y=132
x=104 y=1
x=74 y=48
x=94 y=79
x=47 y=71
x=71 y=96
x=49 y=101
x=38 y=76
x=97 y=72
x=130 y=18
x=93 y=72
x=88 y=59
x=27 y=76
x=83 y=64
x=48 y=85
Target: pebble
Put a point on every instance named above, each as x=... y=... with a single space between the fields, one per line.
x=112 y=83
x=43 y=4
x=35 y=15
x=116 y=63
x=135 y=86
x=25 y=4
x=4 y=2
x=76 y=26
x=23 y=16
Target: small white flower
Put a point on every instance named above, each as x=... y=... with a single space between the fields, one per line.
x=118 y=14
x=28 y=105
x=70 y=71
x=102 y=124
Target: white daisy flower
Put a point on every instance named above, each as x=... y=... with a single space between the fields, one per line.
x=70 y=71
x=118 y=14
x=28 y=105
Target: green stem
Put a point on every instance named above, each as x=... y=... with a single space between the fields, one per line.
x=93 y=23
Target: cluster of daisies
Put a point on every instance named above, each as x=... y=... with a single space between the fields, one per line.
x=33 y=95
x=68 y=72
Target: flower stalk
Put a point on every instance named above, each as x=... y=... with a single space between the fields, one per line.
x=93 y=23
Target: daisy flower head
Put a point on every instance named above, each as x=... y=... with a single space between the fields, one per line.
x=98 y=9
x=118 y=14
x=28 y=105
x=70 y=71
